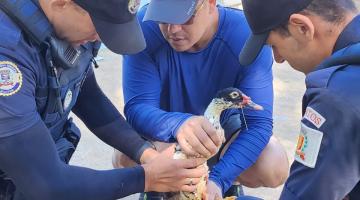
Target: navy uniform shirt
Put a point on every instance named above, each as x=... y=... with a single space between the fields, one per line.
x=19 y=73
x=327 y=157
x=22 y=73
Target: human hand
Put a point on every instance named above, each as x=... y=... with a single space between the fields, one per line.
x=148 y=155
x=165 y=174
x=196 y=136
x=213 y=191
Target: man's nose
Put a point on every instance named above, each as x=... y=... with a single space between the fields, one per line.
x=174 y=28
x=95 y=37
x=278 y=58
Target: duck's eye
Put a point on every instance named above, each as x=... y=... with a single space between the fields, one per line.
x=234 y=95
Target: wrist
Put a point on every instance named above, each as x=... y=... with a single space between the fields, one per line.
x=147 y=172
x=147 y=152
x=216 y=182
x=179 y=124
x=146 y=177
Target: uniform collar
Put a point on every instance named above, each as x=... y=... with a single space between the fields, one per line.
x=350 y=35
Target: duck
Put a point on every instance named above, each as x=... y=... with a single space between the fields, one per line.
x=228 y=98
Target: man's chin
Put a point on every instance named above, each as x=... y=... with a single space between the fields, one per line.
x=179 y=48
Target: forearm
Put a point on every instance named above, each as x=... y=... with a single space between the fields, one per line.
x=122 y=137
x=142 y=87
x=242 y=154
x=92 y=184
x=154 y=123
x=109 y=125
x=38 y=172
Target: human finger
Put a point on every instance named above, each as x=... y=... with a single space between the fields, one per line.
x=186 y=147
x=169 y=151
x=196 y=144
x=193 y=173
x=211 y=132
x=190 y=181
x=188 y=188
x=207 y=142
x=191 y=163
x=217 y=197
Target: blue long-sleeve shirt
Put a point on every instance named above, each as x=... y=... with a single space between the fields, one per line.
x=163 y=88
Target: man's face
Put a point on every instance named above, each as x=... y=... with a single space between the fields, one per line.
x=308 y=40
x=300 y=56
x=184 y=37
x=72 y=23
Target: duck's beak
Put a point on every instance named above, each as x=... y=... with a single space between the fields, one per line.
x=247 y=103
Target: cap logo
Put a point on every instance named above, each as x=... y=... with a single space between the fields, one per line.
x=133 y=6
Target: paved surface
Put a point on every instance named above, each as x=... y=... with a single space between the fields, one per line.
x=289 y=88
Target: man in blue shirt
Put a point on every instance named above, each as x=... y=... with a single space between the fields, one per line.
x=46 y=49
x=322 y=40
x=192 y=52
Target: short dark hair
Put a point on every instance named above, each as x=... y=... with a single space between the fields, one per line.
x=333 y=11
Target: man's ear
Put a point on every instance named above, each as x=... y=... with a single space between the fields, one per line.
x=301 y=27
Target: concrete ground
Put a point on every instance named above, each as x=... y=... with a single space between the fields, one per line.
x=289 y=88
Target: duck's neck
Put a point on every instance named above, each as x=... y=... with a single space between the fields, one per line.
x=213 y=112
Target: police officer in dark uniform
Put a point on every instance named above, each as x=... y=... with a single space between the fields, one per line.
x=320 y=38
x=47 y=48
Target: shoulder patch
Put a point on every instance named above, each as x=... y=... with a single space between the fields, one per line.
x=308 y=146
x=10 y=78
x=314 y=117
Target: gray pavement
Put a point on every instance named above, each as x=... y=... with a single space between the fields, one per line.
x=289 y=88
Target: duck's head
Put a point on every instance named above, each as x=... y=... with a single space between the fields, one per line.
x=234 y=98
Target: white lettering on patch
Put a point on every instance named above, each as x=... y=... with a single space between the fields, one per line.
x=314 y=117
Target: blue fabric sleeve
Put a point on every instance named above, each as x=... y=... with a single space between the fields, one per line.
x=31 y=161
x=109 y=126
x=337 y=167
x=142 y=87
x=246 y=148
x=18 y=110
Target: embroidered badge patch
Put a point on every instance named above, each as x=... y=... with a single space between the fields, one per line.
x=10 y=78
x=308 y=146
x=133 y=6
x=314 y=117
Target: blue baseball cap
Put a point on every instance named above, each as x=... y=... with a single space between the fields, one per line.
x=170 y=11
x=116 y=23
x=262 y=17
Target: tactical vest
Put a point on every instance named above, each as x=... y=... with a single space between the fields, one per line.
x=66 y=69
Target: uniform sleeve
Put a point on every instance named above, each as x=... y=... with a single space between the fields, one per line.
x=327 y=161
x=142 y=88
x=256 y=128
x=38 y=172
x=17 y=94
